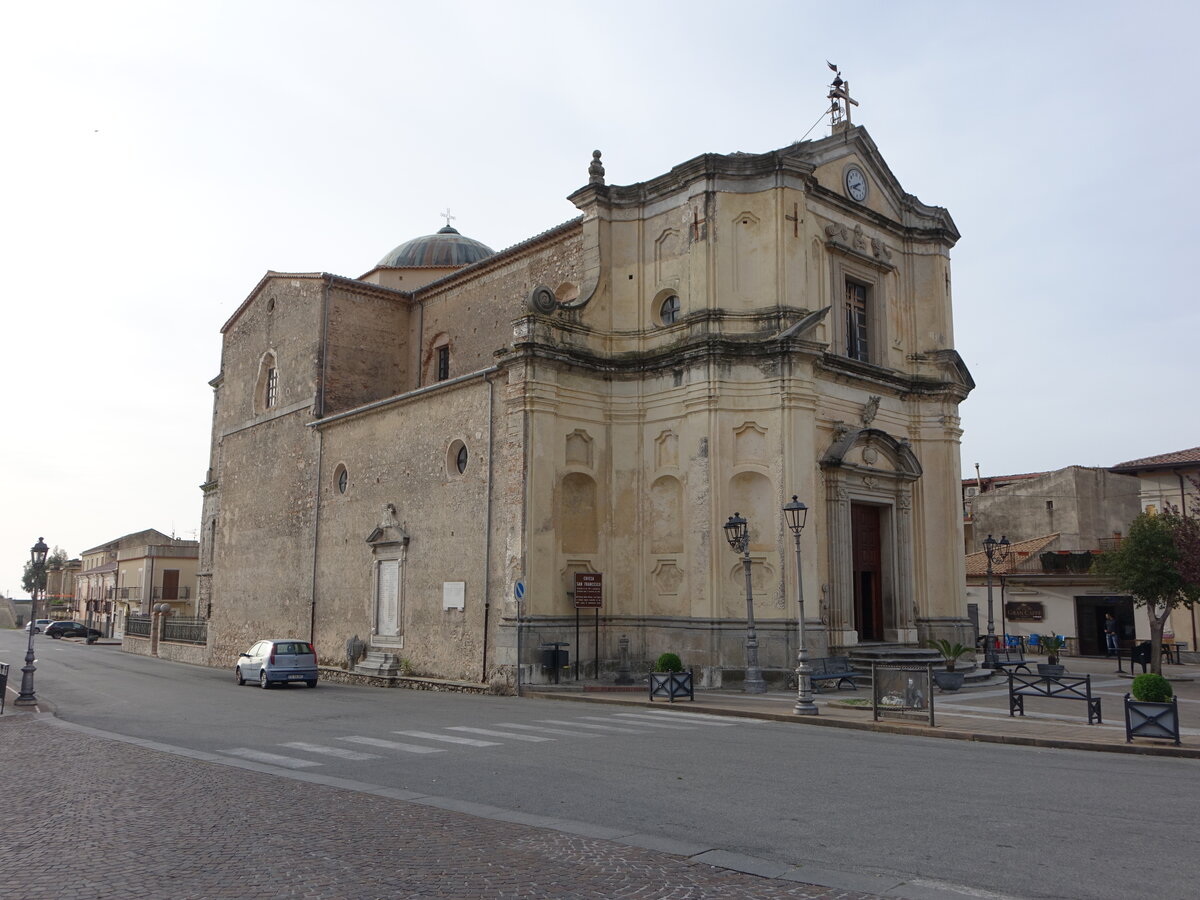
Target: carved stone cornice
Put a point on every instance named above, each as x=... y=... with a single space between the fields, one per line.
x=854 y=244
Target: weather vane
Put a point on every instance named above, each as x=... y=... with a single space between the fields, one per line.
x=839 y=93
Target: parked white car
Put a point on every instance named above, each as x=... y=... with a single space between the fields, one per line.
x=39 y=625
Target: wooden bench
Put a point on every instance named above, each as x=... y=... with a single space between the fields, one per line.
x=832 y=668
x=1054 y=687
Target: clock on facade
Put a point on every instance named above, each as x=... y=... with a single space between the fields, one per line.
x=856 y=184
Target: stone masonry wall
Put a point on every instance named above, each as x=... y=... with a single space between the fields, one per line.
x=476 y=315
x=403 y=456
x=366 y=358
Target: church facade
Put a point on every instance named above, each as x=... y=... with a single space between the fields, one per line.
x=395 y=458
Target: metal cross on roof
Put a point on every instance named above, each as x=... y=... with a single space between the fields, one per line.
x=446 y=215
x=839 y=93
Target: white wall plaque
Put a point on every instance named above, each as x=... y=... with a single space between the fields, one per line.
x=454 y=594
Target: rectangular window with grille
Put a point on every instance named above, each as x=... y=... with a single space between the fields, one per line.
x=272 y=387
x=443 y=363
x=857 y=322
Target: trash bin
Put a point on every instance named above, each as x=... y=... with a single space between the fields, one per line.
x=1140 y=654
x=555 y=657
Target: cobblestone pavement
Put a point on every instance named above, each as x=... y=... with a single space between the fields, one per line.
x=85 y=817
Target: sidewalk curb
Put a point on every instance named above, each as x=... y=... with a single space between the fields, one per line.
x=891 y=727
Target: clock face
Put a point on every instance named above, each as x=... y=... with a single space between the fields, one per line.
x=856 y=184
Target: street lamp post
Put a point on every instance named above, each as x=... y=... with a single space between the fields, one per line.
x=738 y=535
x=795 y=514
x=995 y=550
x=38 y=557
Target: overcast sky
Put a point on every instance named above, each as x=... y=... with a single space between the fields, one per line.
x=158 y=158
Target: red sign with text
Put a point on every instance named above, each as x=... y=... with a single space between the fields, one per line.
x=589 y=590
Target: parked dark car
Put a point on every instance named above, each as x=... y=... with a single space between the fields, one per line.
x=58 y=630
x=277 y=662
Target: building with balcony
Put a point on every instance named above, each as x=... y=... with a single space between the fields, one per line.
x=131 y=573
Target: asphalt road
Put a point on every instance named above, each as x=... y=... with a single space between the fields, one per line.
x=986 y=819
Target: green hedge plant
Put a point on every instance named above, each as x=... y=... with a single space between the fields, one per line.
x=1152 y=688
x=669 y=662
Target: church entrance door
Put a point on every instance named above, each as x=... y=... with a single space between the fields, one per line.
x=865 y=534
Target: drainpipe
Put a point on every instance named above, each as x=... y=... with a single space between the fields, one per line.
x=1183 y=509
x=487 y=540
x=312 y=589
x=319 y=412
x=149 y=577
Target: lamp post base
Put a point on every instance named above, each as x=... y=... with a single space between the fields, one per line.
x=27 y=697
x=754 y=683
x=805 y=706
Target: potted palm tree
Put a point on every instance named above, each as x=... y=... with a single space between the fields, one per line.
x=1052 y=643
x=670 y=680
x=949 y=680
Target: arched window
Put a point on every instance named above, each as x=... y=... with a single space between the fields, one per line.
x=266 y=392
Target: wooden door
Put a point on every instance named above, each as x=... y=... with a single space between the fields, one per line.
x=868 y=571
x=170 y=589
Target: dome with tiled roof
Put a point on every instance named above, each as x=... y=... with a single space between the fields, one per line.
x=446 y=248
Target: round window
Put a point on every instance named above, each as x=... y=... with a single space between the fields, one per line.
x=669 y=310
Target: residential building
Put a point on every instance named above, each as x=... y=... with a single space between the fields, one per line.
x=1167 y=481
x=1084 y=506
x=131 y=573
x=1057 y=523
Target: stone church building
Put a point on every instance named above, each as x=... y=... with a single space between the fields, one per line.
x=396 y=456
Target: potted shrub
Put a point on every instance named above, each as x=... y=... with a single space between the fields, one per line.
x=949 y=680
x=1153 y=710
x=670 y=680
x=1052 y=643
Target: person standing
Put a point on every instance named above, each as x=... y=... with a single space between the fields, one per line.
x=1111 y=635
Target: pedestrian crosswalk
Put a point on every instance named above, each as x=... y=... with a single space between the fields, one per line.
x=486 y=735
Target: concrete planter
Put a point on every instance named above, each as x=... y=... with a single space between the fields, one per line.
x=949 y=681
x=1049 y=669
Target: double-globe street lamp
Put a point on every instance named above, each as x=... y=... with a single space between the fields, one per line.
x=38 y=557
x=995 y=550
x=795 y=514
x=738 y=535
